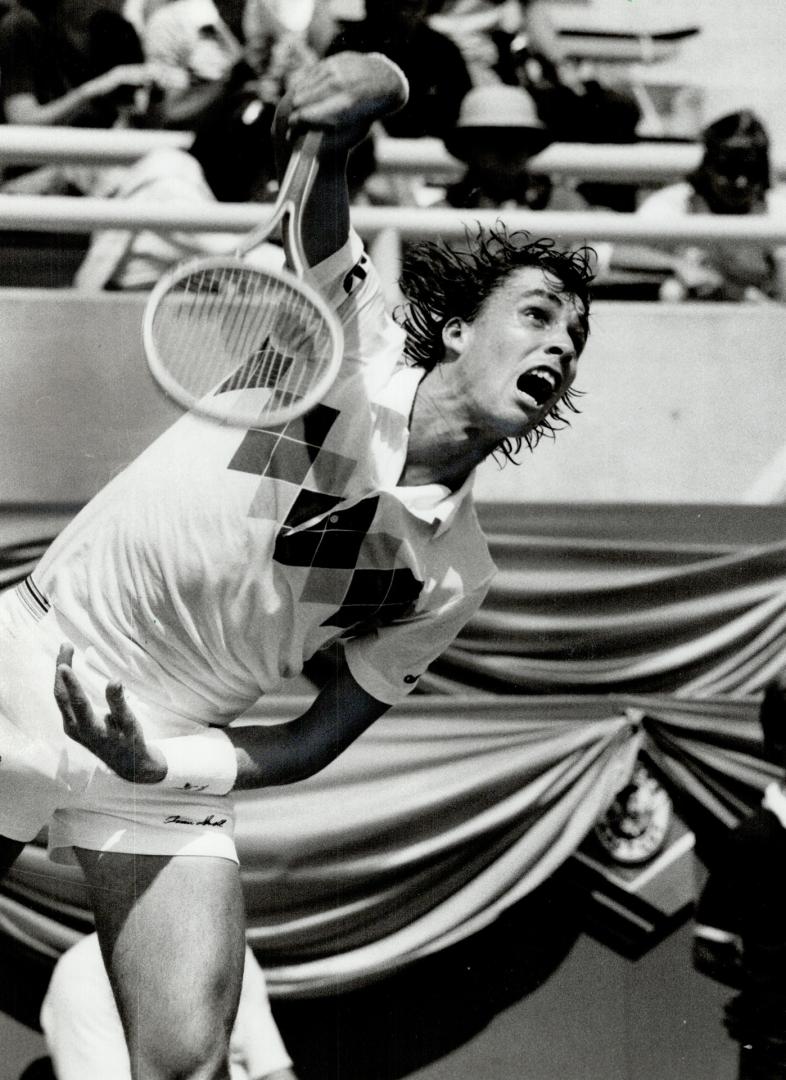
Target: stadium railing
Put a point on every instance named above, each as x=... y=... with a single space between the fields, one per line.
x=84 y=214
x=643 y=163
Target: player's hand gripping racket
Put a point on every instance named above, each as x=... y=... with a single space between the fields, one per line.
x=246 y=346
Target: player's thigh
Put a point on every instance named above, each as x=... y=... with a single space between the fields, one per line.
x=172 y=935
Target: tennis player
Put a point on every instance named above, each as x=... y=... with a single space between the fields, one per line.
x=220 y=560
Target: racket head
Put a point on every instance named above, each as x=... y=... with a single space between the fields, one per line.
x=234 y=343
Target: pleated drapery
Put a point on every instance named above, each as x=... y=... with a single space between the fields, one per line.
x=608 y=630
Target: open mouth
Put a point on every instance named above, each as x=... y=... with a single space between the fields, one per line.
x=540 y=384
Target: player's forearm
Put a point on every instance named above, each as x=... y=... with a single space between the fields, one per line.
x=325 y=222
x=342 y=96
x=215 y=760
x=270 y=755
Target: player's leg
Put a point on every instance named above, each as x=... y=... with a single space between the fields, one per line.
x=172 y=937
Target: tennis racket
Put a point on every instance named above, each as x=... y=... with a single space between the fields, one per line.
x=245 y=346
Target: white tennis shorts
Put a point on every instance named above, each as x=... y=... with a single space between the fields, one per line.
x=46 y=779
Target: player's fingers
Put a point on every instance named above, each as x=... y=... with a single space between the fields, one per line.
x=65 y=654
x=317 y=84
x=119 y=718
x=328 y=112
x=303 y=78
x=62 y=696
x=79 y=721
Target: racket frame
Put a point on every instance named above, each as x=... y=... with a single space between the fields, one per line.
x=287 y=214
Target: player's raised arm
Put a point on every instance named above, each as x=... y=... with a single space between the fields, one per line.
x=342 y=96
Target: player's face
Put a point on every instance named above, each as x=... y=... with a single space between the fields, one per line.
x=518 y=357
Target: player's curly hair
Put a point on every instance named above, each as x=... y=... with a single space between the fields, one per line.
x=440 y=282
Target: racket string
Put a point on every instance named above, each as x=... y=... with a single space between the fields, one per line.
x=225 y=329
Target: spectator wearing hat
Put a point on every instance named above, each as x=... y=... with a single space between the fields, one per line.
x=732 y=178
x=497 y=134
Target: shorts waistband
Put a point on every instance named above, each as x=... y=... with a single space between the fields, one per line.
x=36 y=602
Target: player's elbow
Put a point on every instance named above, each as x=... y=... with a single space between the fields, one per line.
x=294 y=758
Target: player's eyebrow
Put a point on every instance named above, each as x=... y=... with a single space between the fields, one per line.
x=543 y=294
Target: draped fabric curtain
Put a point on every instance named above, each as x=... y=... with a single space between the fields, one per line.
x=689 y=600
x=609 y=630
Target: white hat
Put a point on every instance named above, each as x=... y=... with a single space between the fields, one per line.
x=498 y=106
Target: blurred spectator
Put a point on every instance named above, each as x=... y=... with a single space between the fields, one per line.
x=124 y=259
x=577 y=106
x=490 y=32
x=85 y=1038
x=72 y=62
x=281 y=35
x=733 y=178
x=224 y=65
x=138 y=12
x=438 y=77
x=75 y=62
x=194 y=46
x=497 y=133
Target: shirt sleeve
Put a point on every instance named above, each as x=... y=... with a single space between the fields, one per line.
x=350 y=284
x=389 y=662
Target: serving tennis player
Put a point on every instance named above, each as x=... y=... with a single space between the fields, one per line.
x=222 y=559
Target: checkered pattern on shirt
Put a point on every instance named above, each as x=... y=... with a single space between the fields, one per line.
x=356 y=569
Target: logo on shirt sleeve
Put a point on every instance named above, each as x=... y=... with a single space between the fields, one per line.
x=357 y=274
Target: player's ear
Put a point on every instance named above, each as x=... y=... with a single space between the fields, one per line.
x=455 y=336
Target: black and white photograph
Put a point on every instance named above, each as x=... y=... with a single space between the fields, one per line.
x=392 y=540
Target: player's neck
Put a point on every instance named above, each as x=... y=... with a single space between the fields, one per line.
x=441 y=449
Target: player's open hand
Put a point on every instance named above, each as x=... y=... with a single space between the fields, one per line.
x=116 y=738
x=346 y=93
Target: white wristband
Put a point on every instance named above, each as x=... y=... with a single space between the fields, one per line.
x=204 y=763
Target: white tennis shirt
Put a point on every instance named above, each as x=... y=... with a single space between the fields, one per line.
x=221 y=559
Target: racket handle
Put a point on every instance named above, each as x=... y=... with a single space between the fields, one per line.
x=293 y=194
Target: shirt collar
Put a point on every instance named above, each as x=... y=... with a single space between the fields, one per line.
x=435 y=503
x=432 y=503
